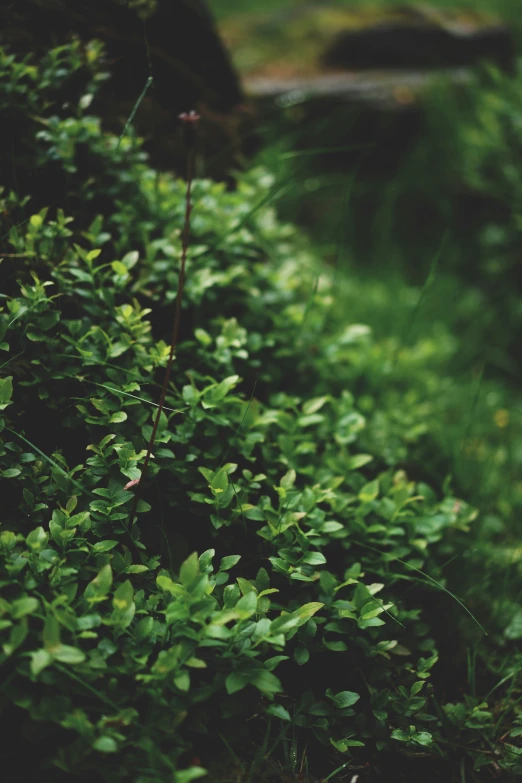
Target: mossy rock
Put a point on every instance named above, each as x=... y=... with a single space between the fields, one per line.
x=308 y=40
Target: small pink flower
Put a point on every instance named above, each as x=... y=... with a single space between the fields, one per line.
x=131 y=484
x=190 y=117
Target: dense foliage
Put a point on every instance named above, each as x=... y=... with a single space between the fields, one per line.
x=266 y=593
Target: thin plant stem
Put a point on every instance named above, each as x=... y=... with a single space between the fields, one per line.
x=191 y=120
x=135 y=109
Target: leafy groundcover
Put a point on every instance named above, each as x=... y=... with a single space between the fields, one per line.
x=267 y=611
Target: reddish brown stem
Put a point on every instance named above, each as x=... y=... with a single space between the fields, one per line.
x=190 y=120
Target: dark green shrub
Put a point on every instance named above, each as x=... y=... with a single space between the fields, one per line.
x=123 y=649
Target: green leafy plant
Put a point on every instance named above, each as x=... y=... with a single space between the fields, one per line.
x=130 y=643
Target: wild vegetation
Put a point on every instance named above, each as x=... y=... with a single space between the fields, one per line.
x=314 y=567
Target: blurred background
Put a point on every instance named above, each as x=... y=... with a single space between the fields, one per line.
x=394 y=135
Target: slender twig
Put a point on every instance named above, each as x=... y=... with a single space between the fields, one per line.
x=190 y=120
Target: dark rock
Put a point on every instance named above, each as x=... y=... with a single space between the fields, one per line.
x=305 y=39
x=174 y=41
x=420 y=40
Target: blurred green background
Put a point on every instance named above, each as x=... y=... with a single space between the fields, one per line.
x=423 y=209
x=423 y=197
x=411 y=196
